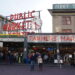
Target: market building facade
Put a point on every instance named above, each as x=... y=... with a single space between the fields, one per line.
x=54 y=45
x=59 y=45
x=13 y=39
x=63 y=18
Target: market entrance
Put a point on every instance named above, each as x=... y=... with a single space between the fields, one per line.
x=47 y=50
x=59 y=46
x=11 y=51
x=66 y=51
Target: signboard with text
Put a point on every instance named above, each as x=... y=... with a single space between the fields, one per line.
x=51 y=38
x=63 y=6
x=11 y=40
x=21 y=23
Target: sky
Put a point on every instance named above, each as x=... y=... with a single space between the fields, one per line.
x=8 y=7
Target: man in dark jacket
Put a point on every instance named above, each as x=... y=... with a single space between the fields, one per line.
x=32 y=58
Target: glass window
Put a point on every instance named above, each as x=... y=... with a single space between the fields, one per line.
x=66 y=20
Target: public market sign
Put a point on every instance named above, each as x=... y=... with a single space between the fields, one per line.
x=21 y=23
x=51 y=38
x=63 y=6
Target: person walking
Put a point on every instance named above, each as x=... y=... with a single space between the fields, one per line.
x=40 y=62
x=45 y=58
x=32 y=59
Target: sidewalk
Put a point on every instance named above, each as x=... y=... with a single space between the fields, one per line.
x=23 y=69
x=45 y=65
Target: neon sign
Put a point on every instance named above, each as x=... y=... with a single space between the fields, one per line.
x=28 y=23
x=24 y=15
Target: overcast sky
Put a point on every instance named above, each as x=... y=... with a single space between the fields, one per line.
x=8 y=7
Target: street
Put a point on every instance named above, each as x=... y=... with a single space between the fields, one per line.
x=25 y=70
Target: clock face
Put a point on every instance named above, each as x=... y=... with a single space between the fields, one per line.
x=36 y=23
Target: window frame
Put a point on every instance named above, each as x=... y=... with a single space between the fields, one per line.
x=66 y=20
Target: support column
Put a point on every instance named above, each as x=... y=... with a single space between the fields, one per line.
x=25 y=48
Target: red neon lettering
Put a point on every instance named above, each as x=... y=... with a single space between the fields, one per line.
x=29 y=14
x=28 y=23
x=23 y=25
x=24 y=15
x=11 y=17
x=8 y=27
x=5 y=27
x=14 y=18
x=32 y=14
x=12 y=28
x=20 y=16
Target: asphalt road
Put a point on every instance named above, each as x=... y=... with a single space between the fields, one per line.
x=25 y=70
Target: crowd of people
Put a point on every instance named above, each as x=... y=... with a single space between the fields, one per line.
x=33 y=58
x=11 y=57
x=17 y=57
